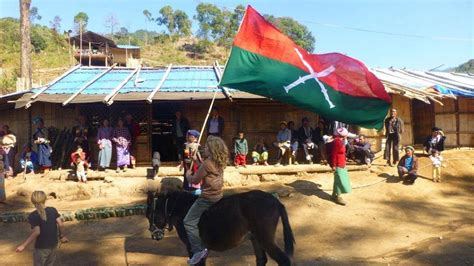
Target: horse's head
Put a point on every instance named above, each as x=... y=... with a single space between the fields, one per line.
x=155 y=212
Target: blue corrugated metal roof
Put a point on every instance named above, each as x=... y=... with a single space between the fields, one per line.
x=127 y=46
x=180 y=79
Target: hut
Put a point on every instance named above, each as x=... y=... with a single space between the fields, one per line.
x=153 y=95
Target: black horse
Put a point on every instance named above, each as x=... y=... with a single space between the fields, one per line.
x=227 y=223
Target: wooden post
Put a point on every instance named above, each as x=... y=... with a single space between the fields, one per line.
x=456 y=110
x=90 y=53
x=80 y=42
x=106 y=54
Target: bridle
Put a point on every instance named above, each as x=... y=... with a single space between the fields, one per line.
x=159 y=233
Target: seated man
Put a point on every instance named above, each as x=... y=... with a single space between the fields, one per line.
x=28 y=160
x=435 y=141
x=294 y=141
x=361 y=150
x=283 y=141
x=305 y=134
x=407 y=166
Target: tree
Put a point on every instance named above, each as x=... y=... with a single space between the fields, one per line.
x=297 y=32
x=183 y=23
x=166 y=19
x=211 y=21
x=34 y=15
x=55 y=24
x=148 y=18
x=233 y=20
x=111 y=22
x=80 y=21
x=25 y=61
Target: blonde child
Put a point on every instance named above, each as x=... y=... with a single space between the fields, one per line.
x=436 y=160
x=45 y=222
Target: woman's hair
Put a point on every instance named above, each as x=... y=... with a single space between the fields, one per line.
x=218 y=151
x=38 y=198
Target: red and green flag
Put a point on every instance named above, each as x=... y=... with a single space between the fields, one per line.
x=266 y=62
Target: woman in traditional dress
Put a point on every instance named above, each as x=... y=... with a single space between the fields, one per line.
x=337 y=162
x=104 y=140
x=122 y=139
x=9 y=145
x=40 y=137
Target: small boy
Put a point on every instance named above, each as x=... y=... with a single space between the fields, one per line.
x=78 y=160
x=191 y=154
x=436 y=160
x=241 y=149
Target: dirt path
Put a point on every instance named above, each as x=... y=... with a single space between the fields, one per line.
x=385 y=223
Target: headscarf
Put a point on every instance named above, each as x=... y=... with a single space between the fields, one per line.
x=342 y=131
x=193 y=132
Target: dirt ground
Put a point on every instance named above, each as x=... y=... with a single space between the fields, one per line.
x=385 y=222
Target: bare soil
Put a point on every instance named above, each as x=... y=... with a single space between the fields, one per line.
x=385 y=222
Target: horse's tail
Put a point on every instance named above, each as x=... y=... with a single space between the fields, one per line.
x=287 y=232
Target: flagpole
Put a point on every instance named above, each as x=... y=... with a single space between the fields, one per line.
x=204 y=126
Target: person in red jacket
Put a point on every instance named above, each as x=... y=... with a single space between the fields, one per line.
x=337 y=162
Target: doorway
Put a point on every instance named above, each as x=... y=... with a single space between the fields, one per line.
x=161 y=130
x=423 y=120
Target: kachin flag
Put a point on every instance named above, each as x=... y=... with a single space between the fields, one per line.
x=266 y=62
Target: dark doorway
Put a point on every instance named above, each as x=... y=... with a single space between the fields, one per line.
x=162 y=139
x=423 y=120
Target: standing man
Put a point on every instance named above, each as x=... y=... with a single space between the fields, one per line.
x=179 y=129
x=393 y=132
x=215 y=125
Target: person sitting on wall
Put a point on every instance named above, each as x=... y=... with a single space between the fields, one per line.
x=260 y=153
x=305 y=134
x=435 y=141
x=283 y=141
x=79 y=162
x=28 y=160
x=294 y=141
x=361 y=150
x=408 y=166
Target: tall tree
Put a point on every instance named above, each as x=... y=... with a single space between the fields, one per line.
x=25 y=60
x=297 y=32
x=232 y=25
x=166 y=19
x=211 y=21
x=111 y=22
x=148 y=18
x=80 y=21
x=183 y=23
x=55 y=24
x=34 y=15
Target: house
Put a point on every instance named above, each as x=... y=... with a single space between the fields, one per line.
x=153 y=95
x=93 y=49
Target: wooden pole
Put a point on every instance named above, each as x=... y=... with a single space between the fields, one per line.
x=80 y=42
x=456 y=110
x=204 y=124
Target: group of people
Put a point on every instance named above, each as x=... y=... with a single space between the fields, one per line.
x=407 y=166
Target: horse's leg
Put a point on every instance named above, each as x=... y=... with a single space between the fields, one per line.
x=276 y=254
x=259 y=252
x=183 y=236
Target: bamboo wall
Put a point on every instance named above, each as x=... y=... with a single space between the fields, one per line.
x=456 y=118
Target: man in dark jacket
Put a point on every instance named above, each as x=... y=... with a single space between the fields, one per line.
x=393 y=132
x=179 y=129
x=362 y=150
x=435 y=141
x=215 y=124
x=408 y=166
x=305 y=134
x=294 y=141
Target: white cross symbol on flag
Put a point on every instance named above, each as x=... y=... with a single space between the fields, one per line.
x=312 y=75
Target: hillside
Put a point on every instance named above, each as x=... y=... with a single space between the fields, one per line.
x=51 y=55
x=466 y=67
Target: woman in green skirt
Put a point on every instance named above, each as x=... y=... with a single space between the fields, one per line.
x=337 y=162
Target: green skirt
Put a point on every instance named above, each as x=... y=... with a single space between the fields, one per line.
x=342 y=184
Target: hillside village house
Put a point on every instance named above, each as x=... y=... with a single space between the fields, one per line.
x=153 y=95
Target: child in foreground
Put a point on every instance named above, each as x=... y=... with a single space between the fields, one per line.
x=436 y=160
x=45 y=223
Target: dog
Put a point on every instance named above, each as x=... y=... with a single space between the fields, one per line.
x=156 y=162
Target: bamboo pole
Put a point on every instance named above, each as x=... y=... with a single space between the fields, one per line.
x=90 y=53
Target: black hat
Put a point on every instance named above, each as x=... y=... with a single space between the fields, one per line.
x=436 y=129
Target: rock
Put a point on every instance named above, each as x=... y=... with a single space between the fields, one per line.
x=109 y=179
x=82 y=194
x=269 y=177
x=24 y=192
x=232 y=179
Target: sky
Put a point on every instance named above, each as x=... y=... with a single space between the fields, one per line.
x=417 y=34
